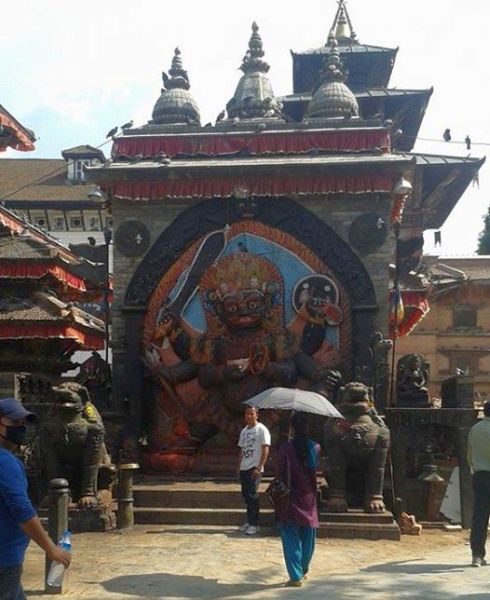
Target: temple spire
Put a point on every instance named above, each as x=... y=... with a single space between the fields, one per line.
x=253 y=97
x=252 y=61
x=333 y=99
x=342 y=29
x=176 y=105
x=178 y=75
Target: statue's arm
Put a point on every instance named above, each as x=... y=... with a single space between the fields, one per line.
x=283 y=372
x=183 y=371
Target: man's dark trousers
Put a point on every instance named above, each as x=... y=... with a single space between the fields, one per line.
x=481 y=513
x=10 y=586
x=250 y=492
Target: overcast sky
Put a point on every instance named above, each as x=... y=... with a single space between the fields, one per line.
x=71 y=71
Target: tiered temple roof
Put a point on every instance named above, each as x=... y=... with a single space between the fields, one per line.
x=324 y=154
x=40 y=326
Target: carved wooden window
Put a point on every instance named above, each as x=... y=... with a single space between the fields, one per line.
x=464 y=318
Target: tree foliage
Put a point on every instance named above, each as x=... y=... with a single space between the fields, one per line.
x=484 y=237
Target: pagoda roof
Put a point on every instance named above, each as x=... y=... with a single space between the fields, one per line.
x=348 y=49
x=368 y=66
x=41 y=180
x=406 y=108
x=246 y=138
x=260 y=175
x=42 y=315
x=13 y=134
x=441 y=181
x=26 y=252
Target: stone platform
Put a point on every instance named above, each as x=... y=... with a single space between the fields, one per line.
x=219 y=502
x=99 y=519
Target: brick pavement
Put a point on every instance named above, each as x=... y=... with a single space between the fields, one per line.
x=176 y=563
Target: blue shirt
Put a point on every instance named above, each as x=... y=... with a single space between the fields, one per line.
x=15 y=508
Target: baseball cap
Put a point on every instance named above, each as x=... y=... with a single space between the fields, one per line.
x=13 y=409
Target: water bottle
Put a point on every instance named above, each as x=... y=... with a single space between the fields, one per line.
x=57 y=569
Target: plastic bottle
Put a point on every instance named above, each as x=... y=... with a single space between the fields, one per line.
x=57 y=569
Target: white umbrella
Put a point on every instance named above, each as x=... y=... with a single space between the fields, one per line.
x=294 y=399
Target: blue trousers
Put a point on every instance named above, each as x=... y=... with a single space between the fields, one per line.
x=298 y=544
x=10 y=586
x=250 y=493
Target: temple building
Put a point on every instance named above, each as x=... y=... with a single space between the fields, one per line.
x=41 y=323
x=255 y=252
x=54 y=196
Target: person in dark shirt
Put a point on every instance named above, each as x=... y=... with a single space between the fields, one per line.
x=19 y=522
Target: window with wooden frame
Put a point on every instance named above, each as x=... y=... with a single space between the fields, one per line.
x=465 y=317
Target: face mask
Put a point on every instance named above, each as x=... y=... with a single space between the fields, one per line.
x=15 y=434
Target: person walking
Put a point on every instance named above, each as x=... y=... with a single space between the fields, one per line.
x=479 y=461
x=19 y=522
x=296 y=463
x=254 y=443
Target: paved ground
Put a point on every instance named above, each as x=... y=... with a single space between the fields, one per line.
x=175 y=563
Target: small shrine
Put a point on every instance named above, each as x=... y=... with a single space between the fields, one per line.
x=255 y=251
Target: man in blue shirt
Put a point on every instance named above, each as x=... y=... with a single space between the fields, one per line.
x=19 y=522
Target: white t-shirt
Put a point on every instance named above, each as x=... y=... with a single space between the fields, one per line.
x=251 y=441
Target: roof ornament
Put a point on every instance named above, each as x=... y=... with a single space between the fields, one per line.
x=178 y=75
x=254 y=97
x=176 y=104
x=342 y=28
x=333 y=99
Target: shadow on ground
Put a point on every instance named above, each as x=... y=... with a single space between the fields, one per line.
x=415 y=567
x=340 y=587
x=181 y=586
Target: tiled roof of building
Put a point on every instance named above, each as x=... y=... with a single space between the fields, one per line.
x=83 y=150
x=24 y=309
x=474 y=267
x=38 y=179
x=20 y=248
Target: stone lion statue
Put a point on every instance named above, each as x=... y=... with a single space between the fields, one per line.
x=72 y=445
x=357 y=445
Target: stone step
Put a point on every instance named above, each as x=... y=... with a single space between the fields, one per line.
x=357 y=516
x=198 y=516
x=366 y=531
x=198 y=498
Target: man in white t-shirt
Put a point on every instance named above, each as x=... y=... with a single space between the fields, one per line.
x=254 y=444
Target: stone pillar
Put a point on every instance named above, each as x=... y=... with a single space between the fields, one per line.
x=59 y=502
x=125 y=509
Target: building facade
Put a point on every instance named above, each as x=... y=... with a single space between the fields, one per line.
x=454 y=337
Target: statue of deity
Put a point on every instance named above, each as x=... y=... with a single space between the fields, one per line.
x=246 y=348
x=412 y=379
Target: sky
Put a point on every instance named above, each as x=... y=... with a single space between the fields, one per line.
x=71 y=71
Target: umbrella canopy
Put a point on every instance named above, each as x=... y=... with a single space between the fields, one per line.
x=294 y=399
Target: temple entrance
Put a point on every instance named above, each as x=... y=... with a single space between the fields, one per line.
x=240 y=296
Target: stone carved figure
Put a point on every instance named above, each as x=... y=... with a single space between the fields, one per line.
x=72 y=444
x=246 y=347
x=360 y=443
x=411 y=381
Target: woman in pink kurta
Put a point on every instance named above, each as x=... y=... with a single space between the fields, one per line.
x=297 y=462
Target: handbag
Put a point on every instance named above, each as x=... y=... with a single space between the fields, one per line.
x=278 y=493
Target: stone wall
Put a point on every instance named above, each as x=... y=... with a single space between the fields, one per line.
x=337 y=212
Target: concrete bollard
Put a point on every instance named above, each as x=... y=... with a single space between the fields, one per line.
x=125 y=509
x=59 y=502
